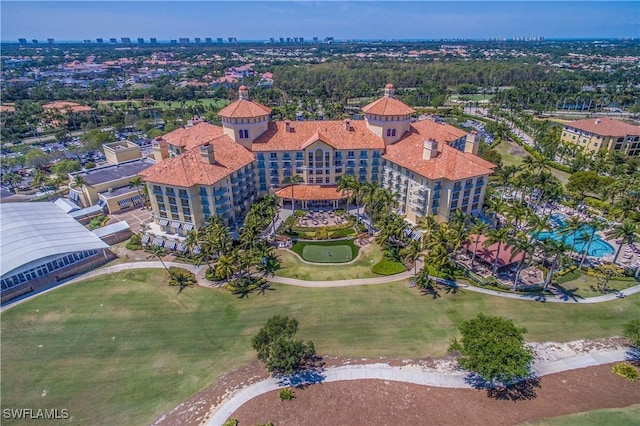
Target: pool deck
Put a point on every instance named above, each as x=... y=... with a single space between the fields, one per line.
x=629 y=256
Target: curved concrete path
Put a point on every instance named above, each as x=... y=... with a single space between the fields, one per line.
x=407 y=374
x=199 y=271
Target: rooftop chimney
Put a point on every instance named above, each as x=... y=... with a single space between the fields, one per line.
x=206 y=153
x=598 y=121
x=347 y=125
x=389 y=91
x=160 y=149
x=430 y=149
x=472 y=142
x=287 y=127
x=243 y=93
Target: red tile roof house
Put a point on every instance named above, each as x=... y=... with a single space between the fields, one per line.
x=205 y=170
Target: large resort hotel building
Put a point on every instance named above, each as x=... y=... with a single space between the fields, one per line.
x=206 y=170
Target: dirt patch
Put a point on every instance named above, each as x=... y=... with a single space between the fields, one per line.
x=381 y=402
x=199 y=408
x=517 y=150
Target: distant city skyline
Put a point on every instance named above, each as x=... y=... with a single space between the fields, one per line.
x=250 y=20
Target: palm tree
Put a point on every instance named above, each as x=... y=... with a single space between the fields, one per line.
x=596 y=226
x=39 y=179
x=136 y=183
x=158 y=253
x=385 y=202
x=520 y=244
x=627 y=231
x=412 y=253
x=78 y=181
x=226 y=266
x=499 y=236
x=350 y=186
x=423 y=280
x=555 y=249
x=571 y=227
x=505 y=176
x=293 y=180
x=478 y=228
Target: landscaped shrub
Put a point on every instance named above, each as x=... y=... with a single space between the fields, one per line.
x=597 y=204
x=134 y=243
x=341 y=233
x=181 y=277
x=627 y=371
x=362 y=228
x=604 y=271
x=96 y=222
x=231 y=422
x=287 y=394
x=388 y=267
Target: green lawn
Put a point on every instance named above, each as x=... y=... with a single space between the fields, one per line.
x=124 y=348
x=582 y=285
x=292 y=267
x=326 y=251
x=512 y=154
x=627 y=416
x=388 y=267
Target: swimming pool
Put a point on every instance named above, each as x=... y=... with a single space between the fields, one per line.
x=598 y=248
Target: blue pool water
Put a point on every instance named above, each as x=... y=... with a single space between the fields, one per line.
x=598 y=248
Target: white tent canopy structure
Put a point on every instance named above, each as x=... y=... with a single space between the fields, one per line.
x=39 y=238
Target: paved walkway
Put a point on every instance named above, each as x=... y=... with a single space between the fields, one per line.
x=200 y=270
x=407 y=374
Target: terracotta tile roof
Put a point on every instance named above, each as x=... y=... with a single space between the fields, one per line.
x=188 y=169
x=61 y=105
x=388 y=106
x=310 y=192
x=488 y=254
x=7 y=108
x=605 y=127
x=449 y=163
x=191 y=137
x=304 y=133
x=244 y=108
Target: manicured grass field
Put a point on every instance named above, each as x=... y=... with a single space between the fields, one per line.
x=293 y=267
x=388 y=267
x=125 y=348
x=326 y=251
x=611 y=417
x=508 y=152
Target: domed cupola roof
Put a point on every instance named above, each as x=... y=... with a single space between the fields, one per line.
x=388 y=104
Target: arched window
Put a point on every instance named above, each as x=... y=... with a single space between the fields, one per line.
x=393 y=132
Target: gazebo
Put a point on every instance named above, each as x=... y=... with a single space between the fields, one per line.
x=311 y=195
x=488 y=254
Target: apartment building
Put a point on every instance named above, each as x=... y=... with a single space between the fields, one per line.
x=603 y=134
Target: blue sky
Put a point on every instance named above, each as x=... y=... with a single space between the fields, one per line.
x=249 y=20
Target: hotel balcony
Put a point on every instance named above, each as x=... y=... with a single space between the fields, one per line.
x=221 y=200
x=221 y=210
x=220 y=191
